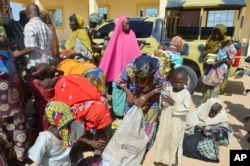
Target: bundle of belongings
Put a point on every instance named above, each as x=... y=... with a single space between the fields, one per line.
x=168 y=61
x=211 y=58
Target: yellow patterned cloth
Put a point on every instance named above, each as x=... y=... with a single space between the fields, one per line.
x=60 y=115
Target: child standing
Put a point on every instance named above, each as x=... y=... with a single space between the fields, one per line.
x=52 y=147
x=175 y=107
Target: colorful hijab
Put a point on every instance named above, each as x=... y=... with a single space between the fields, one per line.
x=85 y=100
x=121 y=49
x=60 y=115
x=145 y=66
x=213 y=46
x=94 y=18
x=200 y=115
x=78 y=33
x=176 y=43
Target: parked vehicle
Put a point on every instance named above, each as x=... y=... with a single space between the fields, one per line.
x=191 y=20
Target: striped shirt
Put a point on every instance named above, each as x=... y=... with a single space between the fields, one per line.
x=37 y=35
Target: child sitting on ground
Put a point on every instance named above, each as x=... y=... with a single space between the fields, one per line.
x=175 y=106
x=52 y=147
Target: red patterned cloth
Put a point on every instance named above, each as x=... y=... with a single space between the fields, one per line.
x=42 y=97
x=85 y=100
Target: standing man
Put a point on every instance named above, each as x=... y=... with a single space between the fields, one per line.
x=37 y=39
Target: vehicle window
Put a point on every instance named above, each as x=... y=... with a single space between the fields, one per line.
x=142 y=29
x=215 y=17
x=188 y=25
x=184 y=23
x=104 y=31
x=225 y=17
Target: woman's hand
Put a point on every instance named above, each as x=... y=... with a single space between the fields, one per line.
x=228 y=62
x=141 y=101
x=219 y=62
x=130 y=97
x=98 y=144
x=168 y=99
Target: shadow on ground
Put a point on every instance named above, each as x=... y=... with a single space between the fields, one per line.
x=233 y=87
x=239 y=111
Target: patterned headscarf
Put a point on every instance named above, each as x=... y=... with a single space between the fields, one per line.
x=176 y=43
x=145 y=66
x=60 y=115
x=94 y=18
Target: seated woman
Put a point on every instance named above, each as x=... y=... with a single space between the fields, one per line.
x=78 y=46
x=206 y=128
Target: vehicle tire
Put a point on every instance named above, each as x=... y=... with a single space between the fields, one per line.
x=192 y=79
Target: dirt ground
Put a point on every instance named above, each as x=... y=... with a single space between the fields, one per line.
x=237 y=106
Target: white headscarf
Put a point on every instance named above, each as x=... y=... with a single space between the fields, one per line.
x=200 y=115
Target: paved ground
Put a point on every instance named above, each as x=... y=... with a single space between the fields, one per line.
x=237 y=106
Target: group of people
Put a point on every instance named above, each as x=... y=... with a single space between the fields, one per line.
x=72 y=111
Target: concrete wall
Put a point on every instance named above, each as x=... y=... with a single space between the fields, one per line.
x=69 y=7
x=125 y=7
x=116 y=9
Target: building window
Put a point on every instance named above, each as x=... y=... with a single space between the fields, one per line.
x=16 y=8
x=103 y=13
x=225 y=17
x=151 y=12
x=148 y=12
x=56 y=15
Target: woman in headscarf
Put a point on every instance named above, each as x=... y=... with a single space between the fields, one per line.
x=78 y=45
x=221 y=45
x=206 y=128
x=87 y=70
x=52 y=147
x=90 y=109
x=121 y=49
x=141 y=81
x=94 y=20
x=55 y=43
x=13 y=124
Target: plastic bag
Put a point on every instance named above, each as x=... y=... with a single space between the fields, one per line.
x=128 y=145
